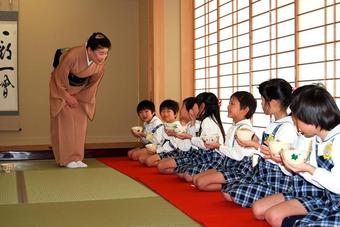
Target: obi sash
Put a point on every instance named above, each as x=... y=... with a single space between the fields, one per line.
x=78 y=81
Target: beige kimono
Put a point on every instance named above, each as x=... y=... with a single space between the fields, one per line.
x=68 y=125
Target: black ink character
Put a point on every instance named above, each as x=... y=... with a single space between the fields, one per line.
x=6 y=83
x=5 y=49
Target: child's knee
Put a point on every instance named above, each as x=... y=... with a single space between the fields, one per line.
x=273 y=218
x=199 y=183
x=258 y=211
x=135 y=155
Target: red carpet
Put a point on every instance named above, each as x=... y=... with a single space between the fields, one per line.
x=207 y=208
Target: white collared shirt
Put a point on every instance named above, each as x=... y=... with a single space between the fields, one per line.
x=324 y=178
x=287 y=133
x=231 y=148
x=89 y=62
x=209 y=128
x=166 y=147
x=157 y=135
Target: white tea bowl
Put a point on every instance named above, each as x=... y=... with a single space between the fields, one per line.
x=295 y=156
x=276 y=147
x=137 y=129
x=210 y=139
x=244 y=134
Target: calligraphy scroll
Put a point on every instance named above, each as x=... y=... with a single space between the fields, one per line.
x=8 y=66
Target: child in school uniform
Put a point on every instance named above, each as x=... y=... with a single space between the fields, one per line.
x=231 y=160
x=168 y=110
x=179 y=138
x=268 y=175
x=210 y=126
x=315 y=189
x=152 y=129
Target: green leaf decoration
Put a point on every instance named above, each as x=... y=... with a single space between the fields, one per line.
x=294 y=157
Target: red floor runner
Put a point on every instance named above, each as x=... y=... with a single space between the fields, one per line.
x=207 y=208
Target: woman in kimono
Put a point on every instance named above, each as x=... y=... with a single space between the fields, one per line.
x=73 y=87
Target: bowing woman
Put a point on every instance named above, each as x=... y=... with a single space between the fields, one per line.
x=73 y=86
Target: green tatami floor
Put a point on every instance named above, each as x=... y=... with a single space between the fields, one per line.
x=41 y=194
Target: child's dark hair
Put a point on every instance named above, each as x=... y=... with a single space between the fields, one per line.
x=169 y=104
x=97 y=41
x=246 y=99
x=146 y=105
x=277 y=89
x=314 y=105
x=189 y=103
x=212 y=109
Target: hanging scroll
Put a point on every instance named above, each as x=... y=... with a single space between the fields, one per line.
x=8 y=64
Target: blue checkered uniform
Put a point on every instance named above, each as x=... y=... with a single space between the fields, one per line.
x=194 y=155
x=184 y=158
x=182 y=145
x=218 y=159
x=169 y=154
x=233 y=171
x=265 y=179
x=206 y=159
x=153 y=127
x=322 y=205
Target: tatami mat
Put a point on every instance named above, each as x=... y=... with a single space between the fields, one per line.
x=8 y=189
x=51 y=164
x=94 y=196
x=152 y=211
x=60 y=185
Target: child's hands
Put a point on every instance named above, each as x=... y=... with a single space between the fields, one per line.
x=254 y=143
x=212 y=146
x=170 y=132
x=183 y=136
x=265 y=151
x=269 y=155
x=138 y=134
x=192 y=116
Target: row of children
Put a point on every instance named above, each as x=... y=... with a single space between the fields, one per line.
x=247 y=171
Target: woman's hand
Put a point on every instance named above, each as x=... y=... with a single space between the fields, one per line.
x=72 y=101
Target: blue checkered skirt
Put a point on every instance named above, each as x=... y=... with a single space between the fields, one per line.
x=207 y=159
x=321 y=217
x=233 y=171
x=266 y=179
x=184 y=158
x=322 y=205
x=169 y=154
x=308 y=194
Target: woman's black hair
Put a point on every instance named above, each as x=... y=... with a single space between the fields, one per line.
x=97 y=41
x=146 y=105
x=169 y=104
x=277 y=89
x=212 y=109
x=312 y=104
x=189 y=103
x=246 y=99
